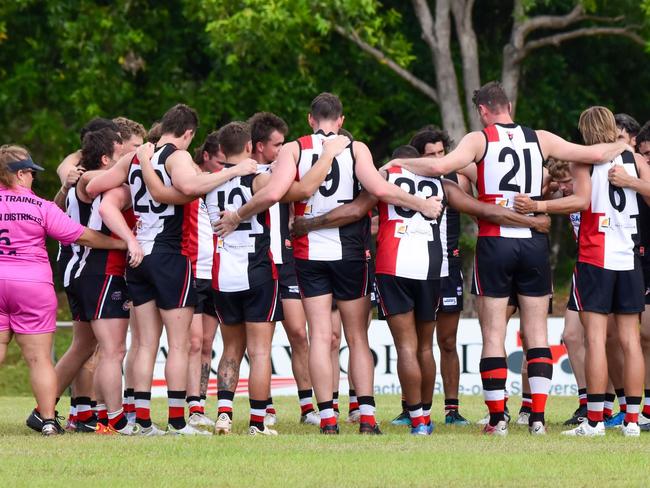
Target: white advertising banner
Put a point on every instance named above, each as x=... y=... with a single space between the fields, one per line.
x=385 y=356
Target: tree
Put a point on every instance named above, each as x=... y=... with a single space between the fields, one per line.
x=436 y=32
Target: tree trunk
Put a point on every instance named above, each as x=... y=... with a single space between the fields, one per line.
x=462 y=12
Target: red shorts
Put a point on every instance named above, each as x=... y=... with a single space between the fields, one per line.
x=27 y=307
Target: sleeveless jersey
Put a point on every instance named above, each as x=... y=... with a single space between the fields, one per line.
x=68 y=257
x=410 y=245
x=512 y=164
x=100 y=262
x=242 y=260
x=451 y=220
x=609 y=234
x=159 y=226
x=279 y=215
x=339 y=187
x=197 y=238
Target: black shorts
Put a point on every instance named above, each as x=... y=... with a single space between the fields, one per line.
x=204 y=297
x=503 y=265
x=345 y=280
x=401 y=295
x=165 y=278
x=646 y=280
x=259 y=304
x=451 y=290
x=606 y=291
x=288 y=282
x=101 y=297
x=73 y=303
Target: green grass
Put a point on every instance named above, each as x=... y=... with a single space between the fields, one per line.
x=299 y=457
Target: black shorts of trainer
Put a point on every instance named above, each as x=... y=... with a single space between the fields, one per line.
x=344 y=279
x=204 y=297
x=399 y=295
x=606 y=291
x=165 y=278
x=451 y=290
x=100 y=297
x=504 y=264
x=288 y=282
x=259 y=304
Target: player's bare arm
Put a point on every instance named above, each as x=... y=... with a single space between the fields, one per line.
x=459 y=200
x=555 y=147
x=114 y=201
x=74 y=172
x=309 y=183
x=340 y=216
x=621 y=178
x=185 y=178
x=111 y=178
x=470 y=149
x=373 y=182
x=579 y=200
x=158 y=190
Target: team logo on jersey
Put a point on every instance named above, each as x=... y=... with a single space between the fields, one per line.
x=510 y=135
x=401 y=230
x=219 y=243
x=456 y=253
x=307 y=209
x=502 y=202
x=603 y=223
x=288 y=244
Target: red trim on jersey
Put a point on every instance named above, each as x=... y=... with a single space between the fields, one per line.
x=274 y=303
x=387 y=247
x=492 y=133
x=300 y=244
x=306 y=142
x=591 y=242
x=190 y=241
x=101 y=296
x=116 y=260
x=216 y=260
x=135 y=160
x=485 y=228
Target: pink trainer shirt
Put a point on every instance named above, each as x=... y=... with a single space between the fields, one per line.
x=25 y=221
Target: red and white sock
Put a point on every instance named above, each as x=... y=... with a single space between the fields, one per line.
x=102 y=413
x=494 y=371
x=259 y=408
x=540 y=372
x=582 y=396
x=595 y=407
x=608 y=408
x=646 y=403
x=326 y=411
x=270 y=409
x=622 y=404
x=72 y=416
x=142 y=402
x=117 y=419
x=306 y=404
x=335 y=401
x=354 y=401
x=194 y=404
x=415 y=414
x=426 y=413
x=632 y=412
x=526 y=403
x=84 y=410
x=367 y=410
x=224 y=402
x=203 y=398
x=176 y=408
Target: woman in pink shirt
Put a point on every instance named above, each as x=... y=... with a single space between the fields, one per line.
x=27 y=300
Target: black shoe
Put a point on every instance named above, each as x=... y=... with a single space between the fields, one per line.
x=52 y=427
x=578 y=416
x=368 y=429
x=89 y=425
x=34 y=421
x=331 y=429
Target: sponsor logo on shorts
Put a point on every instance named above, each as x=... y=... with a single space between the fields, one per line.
x=294 y=289
x=116 y=295
x=449 y=301
x=125 y=306
x=459 y=291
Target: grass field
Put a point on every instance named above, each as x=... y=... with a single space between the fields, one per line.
x=299 y=457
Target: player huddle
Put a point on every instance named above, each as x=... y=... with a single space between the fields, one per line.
x=253 y=230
